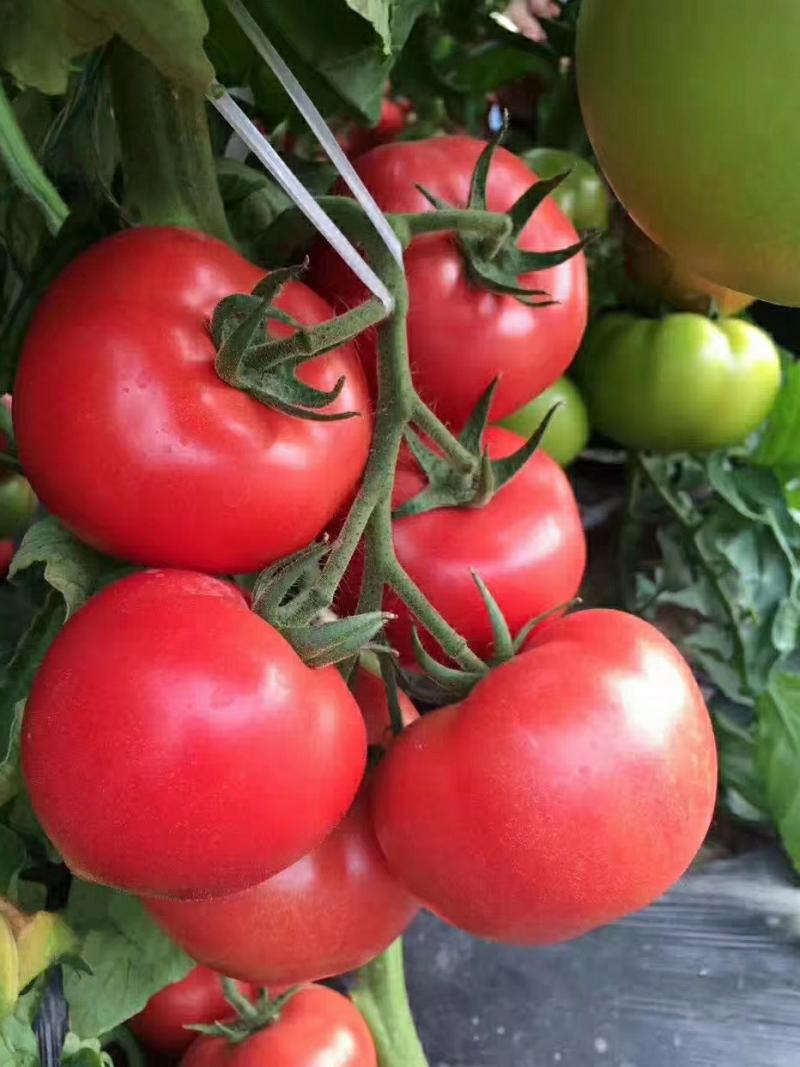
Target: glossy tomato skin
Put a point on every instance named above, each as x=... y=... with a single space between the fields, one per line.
x=335 y=909
x=662 y=280
x=147 y=698
x=527 y=544
x=460 y=337
x=197 y=999
x=568 y=432
x=317 y=1026
x=213 y=480
x=668 y=107
x=678 y=383
x=574 y=785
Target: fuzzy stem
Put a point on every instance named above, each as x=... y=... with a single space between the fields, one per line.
x=380 y=995
x=166 y=148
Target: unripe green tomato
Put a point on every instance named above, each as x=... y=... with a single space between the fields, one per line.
x=680 y=383
x=566 y=436
x=582 y=196
x=17 y=504
x=691 y=108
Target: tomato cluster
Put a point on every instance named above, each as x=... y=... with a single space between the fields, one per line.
x=229 y=779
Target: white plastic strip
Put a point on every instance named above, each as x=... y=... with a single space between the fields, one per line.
x=316 y=122
x=260 y=146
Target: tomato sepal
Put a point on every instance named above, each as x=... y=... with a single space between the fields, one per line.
x=449 y=485
x=250 y=1017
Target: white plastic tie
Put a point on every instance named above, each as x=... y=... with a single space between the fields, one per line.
x=260 y=147
x=305 y=105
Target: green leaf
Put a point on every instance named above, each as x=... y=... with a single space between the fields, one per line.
x=343 y=60
x=779 y=446
x=69 y=566
x=378 y=13
x=779 y=757
x=18 y=1045
x=129 y=956
x=25 y=170
x=40 y=38
x=79 y=1053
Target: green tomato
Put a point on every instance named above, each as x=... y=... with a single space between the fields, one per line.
x=17 y=504
x=566 y=436
x=582 y=196
x=691 y=108
x=681 y=383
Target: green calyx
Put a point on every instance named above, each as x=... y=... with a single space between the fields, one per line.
x=454 y=683
x=324 y=640
x=450 y=484
x=250 y=1017
x=496 y=263
x=265 y=367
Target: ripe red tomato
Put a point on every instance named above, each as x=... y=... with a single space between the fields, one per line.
x=460 y=337
x=142 y=449
x=197 y=998
x=196 y=754
x=527 y=544
x=574 y=785
x=391 y=124
x=337 y=908
x=316 y=1027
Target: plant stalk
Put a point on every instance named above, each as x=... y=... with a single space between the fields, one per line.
x=166 y=148
x=380 y=995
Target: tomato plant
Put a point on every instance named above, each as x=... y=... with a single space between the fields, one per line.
x=214 y=480
x=582 y=196
x=678 y=383
x=198 y=684
x=568 y=431
x=451 y=322
x=198 y=998
x=667 y=109
x=336 y=908
x=527 y=544
x=553 y=785
x=315 y=1026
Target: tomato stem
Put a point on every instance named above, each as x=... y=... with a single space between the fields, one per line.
x=432 y=425
x=166 y=148
x=463 y=221
x=380 y=995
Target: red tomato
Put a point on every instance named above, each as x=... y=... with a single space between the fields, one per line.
x=142 y=450
x=197 y=998
x=390 y=125
x=6 y=555
x=460 y=337
x=574 y=785
x=318 y=1027
x=527 y=544
x=196 y=753
x=370 y=692
x=337 y=908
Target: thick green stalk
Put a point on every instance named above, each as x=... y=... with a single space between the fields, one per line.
x=380 y=995
x=166 y=148
x=25 y=170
